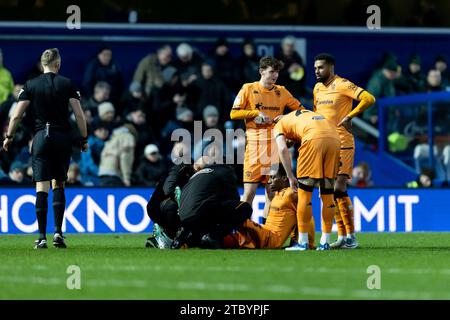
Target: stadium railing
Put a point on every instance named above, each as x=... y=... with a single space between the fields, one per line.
x=428 y=113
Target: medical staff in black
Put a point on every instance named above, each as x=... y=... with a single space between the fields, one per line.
x=47 y=98
x=162 y=208
x=210 y=207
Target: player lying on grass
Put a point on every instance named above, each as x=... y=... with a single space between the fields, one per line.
x=281 y=221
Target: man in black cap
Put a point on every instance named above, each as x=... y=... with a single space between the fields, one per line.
x=47 y=98
x=440 y=63
x=381 y=84
x=414 y=78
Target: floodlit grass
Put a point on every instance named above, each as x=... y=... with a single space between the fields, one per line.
x=413 y=266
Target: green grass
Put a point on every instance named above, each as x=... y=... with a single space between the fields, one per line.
x=413 y=266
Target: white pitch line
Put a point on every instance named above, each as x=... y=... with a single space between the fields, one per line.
x=33 y=280
x=221 y=269
x=230 y=287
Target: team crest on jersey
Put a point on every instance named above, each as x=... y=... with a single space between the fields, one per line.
x=278 y=92
x=333 y=87
x=352 y=87
x=248 y=174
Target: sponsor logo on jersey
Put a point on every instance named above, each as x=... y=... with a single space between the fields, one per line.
x=325 y=102
x=260 y=106
x=352 y=87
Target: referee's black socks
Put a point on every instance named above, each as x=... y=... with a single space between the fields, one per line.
x=41 y=213
x=59 y=203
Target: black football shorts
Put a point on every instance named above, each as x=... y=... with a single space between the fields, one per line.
x=51 y=155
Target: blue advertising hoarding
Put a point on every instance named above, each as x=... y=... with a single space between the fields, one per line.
x=123 y=210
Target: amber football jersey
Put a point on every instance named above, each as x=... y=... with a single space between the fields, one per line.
x=334 y=100
x=282 y=216
x=271 y=102
x=304 y=125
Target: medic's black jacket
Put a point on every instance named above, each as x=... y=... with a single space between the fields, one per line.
x=214 y=183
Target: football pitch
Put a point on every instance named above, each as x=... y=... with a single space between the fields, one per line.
x=411 y=266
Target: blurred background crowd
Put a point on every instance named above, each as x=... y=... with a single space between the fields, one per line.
x=130 y=124
x=417 y=13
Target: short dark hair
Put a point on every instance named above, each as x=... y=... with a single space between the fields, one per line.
x=329 y=59
x=163 y=47
x=269 y=61
x=103 y=48
x=102 y=85
x=429 y=172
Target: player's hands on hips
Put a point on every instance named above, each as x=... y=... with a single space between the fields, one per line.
x=346 y=123
x=6 y=143
x=293 y=183
x=278 y=118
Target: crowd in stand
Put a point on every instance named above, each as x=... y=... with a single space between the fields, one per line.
x=130 y=125
x=407 y=126
x=392 y=80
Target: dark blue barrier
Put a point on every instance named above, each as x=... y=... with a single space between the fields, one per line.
x=100 y=210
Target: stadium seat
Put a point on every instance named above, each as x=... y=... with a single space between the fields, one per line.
x=446 y=161
x=421 y=160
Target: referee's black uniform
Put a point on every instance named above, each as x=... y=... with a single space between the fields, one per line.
x=49 y=96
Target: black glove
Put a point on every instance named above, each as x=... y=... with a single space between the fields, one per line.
x=81 y=141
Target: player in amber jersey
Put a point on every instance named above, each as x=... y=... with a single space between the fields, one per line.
x=261 y=104
x=333 y=98
x=317 y=163
x=281 y=222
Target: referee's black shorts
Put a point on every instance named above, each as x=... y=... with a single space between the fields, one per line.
x=51 y=155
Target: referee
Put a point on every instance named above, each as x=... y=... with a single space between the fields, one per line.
x=47 y=98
